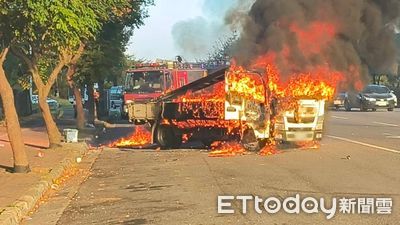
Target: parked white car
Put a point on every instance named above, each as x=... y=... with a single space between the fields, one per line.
x=55 y=108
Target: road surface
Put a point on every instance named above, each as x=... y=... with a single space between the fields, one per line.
x=359 y=158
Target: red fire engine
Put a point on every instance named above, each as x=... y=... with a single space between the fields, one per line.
x=148 y=81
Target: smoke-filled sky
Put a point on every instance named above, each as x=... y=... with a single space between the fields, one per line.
x=349 y=36
x=181 y=27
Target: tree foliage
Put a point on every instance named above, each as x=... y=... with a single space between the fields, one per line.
x=222 y=49
x=104 y=58
x=47 y=34
x=221 y=53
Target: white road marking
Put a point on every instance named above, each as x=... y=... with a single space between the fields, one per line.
x=393 y=137
x=364 y=144
x=339 y=117
x=387 y=124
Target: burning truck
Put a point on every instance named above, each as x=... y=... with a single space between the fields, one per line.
x=235 y=104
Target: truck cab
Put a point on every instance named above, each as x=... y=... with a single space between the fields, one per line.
x=304 y=123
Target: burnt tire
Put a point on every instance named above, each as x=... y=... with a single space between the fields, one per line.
x=207 y=143
x=250 y=141
x=167 y=138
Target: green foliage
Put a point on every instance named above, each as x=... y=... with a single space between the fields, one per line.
x=51 y=25
x=222 y=49
x=43 y=29
x=16 y=73
x=104 y=58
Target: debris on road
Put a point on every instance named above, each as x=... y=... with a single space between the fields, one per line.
x=40 y=154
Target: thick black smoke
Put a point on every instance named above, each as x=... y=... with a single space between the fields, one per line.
x=364 y=37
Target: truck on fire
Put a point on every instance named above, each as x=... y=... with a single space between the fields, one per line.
x=226 y=106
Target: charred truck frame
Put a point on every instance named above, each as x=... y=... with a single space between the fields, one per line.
x=253 y=120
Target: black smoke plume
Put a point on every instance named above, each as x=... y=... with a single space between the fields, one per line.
x=364 y=37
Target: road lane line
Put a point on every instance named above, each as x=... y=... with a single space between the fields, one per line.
x=364 y=144
x=393 y=137
x=387 y=124
x=339 y=117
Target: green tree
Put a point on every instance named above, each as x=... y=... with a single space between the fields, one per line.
x=103 y=58
x=222 y=49
x=53 y=33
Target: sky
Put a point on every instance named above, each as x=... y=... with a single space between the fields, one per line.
x=181 y=27
x=154 y=39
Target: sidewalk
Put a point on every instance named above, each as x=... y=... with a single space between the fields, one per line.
x=15 y=185
x=19 y=192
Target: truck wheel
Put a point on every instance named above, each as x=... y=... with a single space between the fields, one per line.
x=207 y=143
x=250 y=142
x=167 y=138
x=390 y=109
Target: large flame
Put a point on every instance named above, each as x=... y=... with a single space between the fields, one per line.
x=140 y=137
x=248 y=85
x=265 y=81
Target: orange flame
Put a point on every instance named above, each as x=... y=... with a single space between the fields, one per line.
x=245 y=84
x=207 y=103
x=140 y=137
x=188 y=124
x=269 y=150
x=270 y=84
x=308 y=145
x=186 y=137
x=226 y=149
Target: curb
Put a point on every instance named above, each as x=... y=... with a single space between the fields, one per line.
x=12 y=215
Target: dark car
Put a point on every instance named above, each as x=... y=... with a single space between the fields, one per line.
x=372 y=97
x=338 y=101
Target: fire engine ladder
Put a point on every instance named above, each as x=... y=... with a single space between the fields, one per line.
x=214 y=77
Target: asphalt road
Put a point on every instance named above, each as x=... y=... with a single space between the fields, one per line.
x=359 y=158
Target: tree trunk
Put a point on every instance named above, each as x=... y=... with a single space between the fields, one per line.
x=21 y=164
x=91 y=104
x=80 y=116
x=45 y=87
x=51 y=126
